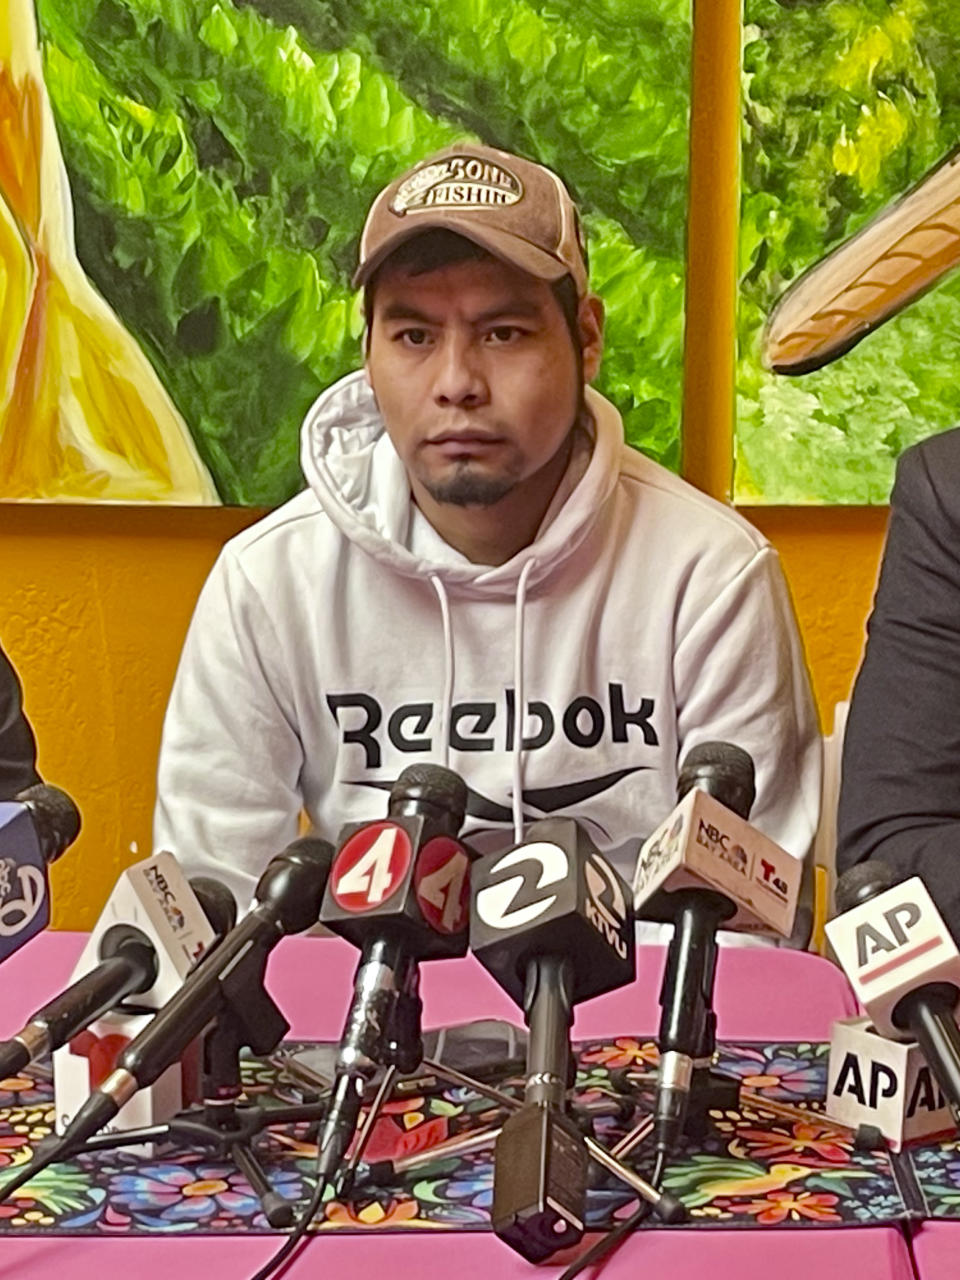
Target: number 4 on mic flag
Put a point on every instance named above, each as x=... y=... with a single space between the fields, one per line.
x=442 y=884
x=386 y=871
x=371 y=866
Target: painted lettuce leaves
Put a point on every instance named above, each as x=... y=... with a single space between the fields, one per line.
x=221 y=158
x=847 y=105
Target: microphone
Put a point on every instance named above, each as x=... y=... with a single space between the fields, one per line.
x=287 y=900
x=218 y=904
x=903 y=965
x=35 y=829
x=128 y=966
x=705 y=867
x=550 y=922
x=399 y=891
x=154 y=896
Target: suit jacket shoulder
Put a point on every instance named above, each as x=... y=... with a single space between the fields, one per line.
x=928 y=481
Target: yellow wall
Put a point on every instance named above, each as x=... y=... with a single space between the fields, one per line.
x=95 y=600
x=94 y=607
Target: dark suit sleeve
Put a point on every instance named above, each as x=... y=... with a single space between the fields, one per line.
x=18 y=751
x=900 y=778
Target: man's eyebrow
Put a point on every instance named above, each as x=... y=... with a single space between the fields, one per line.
x=521 y=308
x=404 y=311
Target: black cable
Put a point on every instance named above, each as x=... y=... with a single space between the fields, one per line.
x=608 y=1243
x=295 y=1236
x=298 y=1232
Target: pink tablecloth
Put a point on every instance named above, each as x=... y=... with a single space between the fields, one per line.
x=936 y=1251
x=761 y=994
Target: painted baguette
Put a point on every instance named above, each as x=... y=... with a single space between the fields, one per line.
x=907 y=249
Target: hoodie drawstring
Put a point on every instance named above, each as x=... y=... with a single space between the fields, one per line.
x=519 y=703
x=447 y=703
x=518 y=693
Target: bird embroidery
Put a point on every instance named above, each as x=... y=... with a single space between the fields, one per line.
x=703 y=1178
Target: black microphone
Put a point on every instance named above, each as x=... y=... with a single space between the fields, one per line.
x=399 y=891
x=218 y=904
x=35 y=829
x=903 y=965
x=550 y=921
x=128 y=966
x=56 y=819
x=687 y=1033
x=287 y=900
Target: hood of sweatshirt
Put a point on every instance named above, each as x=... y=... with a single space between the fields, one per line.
x=359 y=480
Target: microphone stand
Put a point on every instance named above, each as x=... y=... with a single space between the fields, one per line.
x=226 y=1126
x=664 y=1205
x=223 y=1124
x=401 y=1051
x=694 y=1087
x=387 y=1172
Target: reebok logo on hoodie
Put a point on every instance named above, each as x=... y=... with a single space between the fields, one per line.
x=487 y=726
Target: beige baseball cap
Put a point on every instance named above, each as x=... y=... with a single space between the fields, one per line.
x=518 y=210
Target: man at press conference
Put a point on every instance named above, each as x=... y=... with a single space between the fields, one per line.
x=475 y=538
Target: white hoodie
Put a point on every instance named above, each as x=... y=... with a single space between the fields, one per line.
x=340 y=639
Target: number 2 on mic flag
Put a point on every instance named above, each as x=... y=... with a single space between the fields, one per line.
x=371 y=866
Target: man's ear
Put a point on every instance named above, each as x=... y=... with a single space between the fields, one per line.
x=590 y=328
x=366 y=357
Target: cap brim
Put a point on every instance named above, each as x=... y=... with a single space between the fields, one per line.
x=509 y=248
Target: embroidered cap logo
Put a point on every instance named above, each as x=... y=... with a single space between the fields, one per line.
x=462 y=182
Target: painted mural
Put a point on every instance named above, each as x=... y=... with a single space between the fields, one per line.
x=849 y=322
x=182 y=186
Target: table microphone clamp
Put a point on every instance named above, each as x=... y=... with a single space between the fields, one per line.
x=666 y=1206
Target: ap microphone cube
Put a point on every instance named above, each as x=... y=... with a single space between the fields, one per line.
x=885 y=1084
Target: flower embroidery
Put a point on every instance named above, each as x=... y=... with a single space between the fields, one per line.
x=14 y=1149
x=23 y=1091
x=779 y=1073
x=394 y=1213
x=821 y=1141
x=183 y=1195
x=624 y=1052
x=776 y=1206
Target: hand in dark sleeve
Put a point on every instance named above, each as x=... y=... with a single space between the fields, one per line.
x=18 y=751
x=900 y=778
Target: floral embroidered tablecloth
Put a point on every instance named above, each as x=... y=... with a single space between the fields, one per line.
x=774 y=1161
